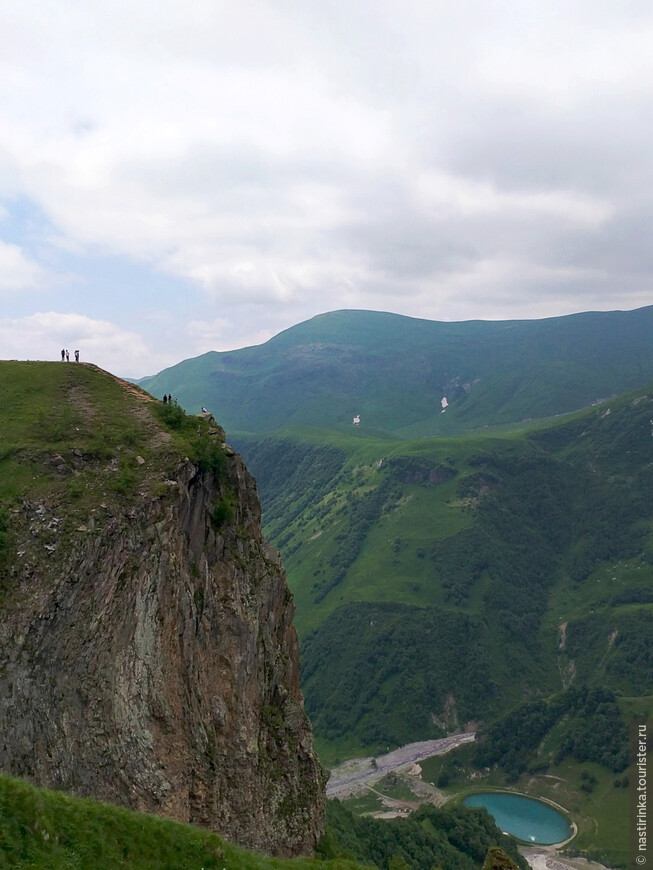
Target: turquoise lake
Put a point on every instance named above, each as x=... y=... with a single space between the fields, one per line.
x=528 y=819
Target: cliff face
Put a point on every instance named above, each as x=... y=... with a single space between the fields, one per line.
x=148 y=656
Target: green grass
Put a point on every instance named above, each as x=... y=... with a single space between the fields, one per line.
x=390 y=567
x=380 y=572
x=393 y=788
x=637 y=707
x=58 y=404
x=457 y=764
x=57 y=420
x=72 y=437
x=46 y=830
x=364 y=804
x=334 y=751
x=50 y=410
x=574 y=600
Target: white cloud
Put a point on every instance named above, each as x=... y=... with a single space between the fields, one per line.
x=17 y=271
x=43 y=335
x=223 y=334
x=563 y=53
x=288 y=158
x=464 y=196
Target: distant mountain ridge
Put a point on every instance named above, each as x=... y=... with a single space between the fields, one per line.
x=394 y=371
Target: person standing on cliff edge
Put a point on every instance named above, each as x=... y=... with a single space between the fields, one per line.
x=76 y=356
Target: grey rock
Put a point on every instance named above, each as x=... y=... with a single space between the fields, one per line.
x=154 y=664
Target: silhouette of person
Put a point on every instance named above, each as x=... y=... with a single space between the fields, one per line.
x=76 y=356
x=67 y=357
x=165 y=399
x=63 y=355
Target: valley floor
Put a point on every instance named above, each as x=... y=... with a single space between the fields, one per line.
x=393 y=785
x=358 y=774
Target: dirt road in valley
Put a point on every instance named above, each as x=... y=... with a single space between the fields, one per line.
x=547 y=858
x=357 y=774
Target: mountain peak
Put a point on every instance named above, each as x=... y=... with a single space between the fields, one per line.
x=394 y=371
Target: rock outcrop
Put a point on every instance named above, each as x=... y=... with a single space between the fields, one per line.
x=148 y=656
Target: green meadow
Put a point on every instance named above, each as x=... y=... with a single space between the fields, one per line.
x=46 y=830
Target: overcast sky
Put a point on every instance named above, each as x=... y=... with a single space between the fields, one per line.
x=180 y=177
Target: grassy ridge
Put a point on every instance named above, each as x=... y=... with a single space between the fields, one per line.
x=69 y=433
x=394 y=371
x=51 y=409
x=64 y=426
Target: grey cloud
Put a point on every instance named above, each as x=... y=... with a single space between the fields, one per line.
x=623 y=249
x=598 y=149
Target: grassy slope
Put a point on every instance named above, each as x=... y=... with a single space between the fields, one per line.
x=588 y=475
x=54 y=412
x=394 y=370
x=52 y=831
x=51 y=409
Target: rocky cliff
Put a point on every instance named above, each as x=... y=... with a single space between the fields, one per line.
x=147 y=652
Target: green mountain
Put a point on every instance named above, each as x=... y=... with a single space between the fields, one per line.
x=501 y=578
x=394 y=371
x=444 y=580
x=491 y=564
